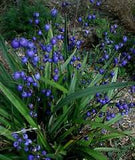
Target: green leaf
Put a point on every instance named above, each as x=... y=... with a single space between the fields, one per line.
x=48 y=66
x=73 y=83
x=54 y=84
x=12 y=60
x=66 y=133
x=20 y=106
x=111 y=136
x=17 y=102
x=100 y=125
x=107 y=149
x=84 y=62
x=110 y=95
x=4 y=73
x=114 y=120
x=3 y=157
x=58 y=122
x=50 y=35
x=63 y=67
x=114 y=79
x=92 y=91
x=65 y=38
x=6 y=133
x=10 y=157
x=95 y=154
x=5 y=53
x=95 y=80
x=5 y=122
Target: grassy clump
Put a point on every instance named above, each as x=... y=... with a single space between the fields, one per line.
x=59 y=101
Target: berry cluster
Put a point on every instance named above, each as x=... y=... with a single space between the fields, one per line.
x=34 y=151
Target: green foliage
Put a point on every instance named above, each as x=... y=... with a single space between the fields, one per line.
x=62 y=126
x=15 y=21
x=62 y=137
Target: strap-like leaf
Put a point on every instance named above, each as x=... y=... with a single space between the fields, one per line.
x=91 y=91
x=55 y=85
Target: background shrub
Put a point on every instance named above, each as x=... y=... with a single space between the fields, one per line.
x=15 y=20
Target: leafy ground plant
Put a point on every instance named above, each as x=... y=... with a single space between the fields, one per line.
x=50 y=109
x=15 y=20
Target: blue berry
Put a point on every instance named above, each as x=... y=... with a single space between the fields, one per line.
x=116 y=61
x=48 y=93
x=23 y=42
x=15 y=44
x=88 y=114
x=121 y=45
x=54 y=12
x=16 y=75
x=86 y=24
x=132 y=89
x=19 y=87
x=93 y=16
x=31 y=44
x=38 y=147
x=36 y=14
x=55 y=77
x=128 y=57
x=34 y=38
x=44 y=153
x=124 y=63
x=25 y=136
x=15 y=144
x=65 y=4
x=37 y=21
x=27 y=142
x=98 y=94
x=48 y=48
x=31 y=157
x=108 y=118
x=30 y=53
x=89 y=17
x=101 y=71
x=116 y=47
x=47 y=27
x=20 y=140
x=36 y=59
x=112 y=115
x=37 y=76
x=24 y=94
x=24 y=60
x=55 y=59
x=22 y=73
x=112 y=74
x=30 y=79
x=59 y=37
x=125 y=38
x=53 y=41
x=106 y=56
x=92 y=1
x=56 y=70
x=31 y=106
x=15 y=135
x=39 y=32
x=98 y=3
x=80 y=19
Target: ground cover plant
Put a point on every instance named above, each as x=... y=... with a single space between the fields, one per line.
x=15 y=20
x=59 y=100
